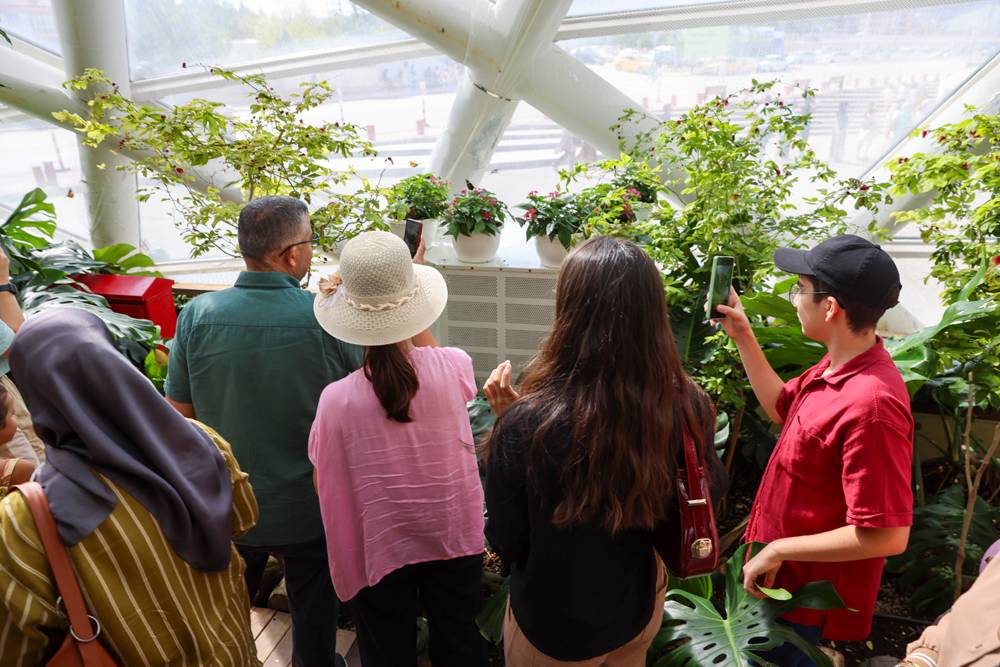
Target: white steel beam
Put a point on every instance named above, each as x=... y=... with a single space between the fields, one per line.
x=92 y=34
x=699 y=15
x=982 y=90
x=510 y=56
x=40 y=99
x=196 y=79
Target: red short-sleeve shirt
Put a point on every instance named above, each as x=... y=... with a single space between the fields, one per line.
x=844 y=458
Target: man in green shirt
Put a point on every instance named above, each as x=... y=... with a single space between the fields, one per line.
x=251 y=362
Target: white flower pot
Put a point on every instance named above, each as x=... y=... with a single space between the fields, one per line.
x=397 y=227
x=476 y=249
x=551 y=253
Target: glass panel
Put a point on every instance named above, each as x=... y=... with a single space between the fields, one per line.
x=587 y=7
x=401 y=106
x=37 y=154
x=878 y=74
x=162 y=35
x=31 y=20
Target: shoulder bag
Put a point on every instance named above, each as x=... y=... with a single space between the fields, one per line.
x=688 y=540
x=80 y=648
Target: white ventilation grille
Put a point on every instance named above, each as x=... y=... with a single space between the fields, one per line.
x=497 y=314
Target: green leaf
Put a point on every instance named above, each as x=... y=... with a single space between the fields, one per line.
x=775 y=593
x=694 y=632
x=490 y=619
x=112 y=253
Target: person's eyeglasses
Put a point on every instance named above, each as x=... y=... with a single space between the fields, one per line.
x=313 y=239
x=796 y=290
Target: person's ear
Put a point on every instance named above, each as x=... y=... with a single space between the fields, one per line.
x=832 y=309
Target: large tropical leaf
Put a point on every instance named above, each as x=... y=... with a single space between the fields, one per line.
x=33 y=220
x=68 y=296
x=124 y=259
x=695 y=633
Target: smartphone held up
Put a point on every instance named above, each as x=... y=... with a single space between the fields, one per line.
x=719 y=286
x=411 y=235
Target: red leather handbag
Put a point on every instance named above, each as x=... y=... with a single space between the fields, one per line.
x=688 y=541
x=80 y=648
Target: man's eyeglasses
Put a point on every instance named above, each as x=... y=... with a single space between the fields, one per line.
x=313 y=239
x=796 y=290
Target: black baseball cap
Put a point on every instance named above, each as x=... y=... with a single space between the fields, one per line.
x=855 y=269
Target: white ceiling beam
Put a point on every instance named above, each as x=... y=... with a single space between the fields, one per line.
x=728 y=13
x=195 y=79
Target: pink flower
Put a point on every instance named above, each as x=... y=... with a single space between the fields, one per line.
x=634 y=192
x=493 y=202
x=464 y=191
x=553 y=195
x=533 y=193
x=532 y=212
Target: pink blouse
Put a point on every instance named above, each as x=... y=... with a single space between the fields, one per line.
x=393 y=494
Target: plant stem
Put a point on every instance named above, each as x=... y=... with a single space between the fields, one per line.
x=973 y=486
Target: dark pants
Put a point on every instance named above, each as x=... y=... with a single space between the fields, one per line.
x=312 y=601
x=451 y=594
x=790 y=655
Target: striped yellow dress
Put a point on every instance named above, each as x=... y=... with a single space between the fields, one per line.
x=153 y=607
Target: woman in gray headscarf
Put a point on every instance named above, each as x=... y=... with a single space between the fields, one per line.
x=146 y=501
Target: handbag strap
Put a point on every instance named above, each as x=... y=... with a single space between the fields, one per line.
x=694 y=470
x=62 y=568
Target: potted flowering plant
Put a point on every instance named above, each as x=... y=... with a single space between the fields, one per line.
x=422 y=197
x=551 y=220
x=474 y=220
x=605 y=205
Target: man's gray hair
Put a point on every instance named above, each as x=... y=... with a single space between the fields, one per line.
x=268 y=223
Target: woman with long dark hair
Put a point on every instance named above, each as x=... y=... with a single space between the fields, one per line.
x=396 y=470
x=580 y=466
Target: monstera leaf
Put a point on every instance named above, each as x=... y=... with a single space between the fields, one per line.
x=694 y=633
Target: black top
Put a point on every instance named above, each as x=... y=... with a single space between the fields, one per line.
x=576 y=592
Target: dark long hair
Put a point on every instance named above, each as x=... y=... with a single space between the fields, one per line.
x=393 y=378
x=610 y=371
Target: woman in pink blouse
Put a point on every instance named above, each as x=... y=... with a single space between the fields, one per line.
x=396 y=470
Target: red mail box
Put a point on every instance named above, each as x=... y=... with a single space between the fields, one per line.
x=144 y=297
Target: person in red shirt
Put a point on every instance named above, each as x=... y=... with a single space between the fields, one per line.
x=835 y=498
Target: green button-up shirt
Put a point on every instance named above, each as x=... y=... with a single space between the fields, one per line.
x=253 y=361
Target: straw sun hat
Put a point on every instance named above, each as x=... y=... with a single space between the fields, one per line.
x=381 y=296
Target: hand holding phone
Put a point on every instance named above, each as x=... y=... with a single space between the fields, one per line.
x=412 y=234
x=719 y=286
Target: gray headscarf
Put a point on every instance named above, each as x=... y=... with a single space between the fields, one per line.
x=95 y=412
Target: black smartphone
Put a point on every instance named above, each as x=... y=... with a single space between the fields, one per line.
x=719 y=285
x=412 y=233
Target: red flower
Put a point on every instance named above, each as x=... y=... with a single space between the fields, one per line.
x=923 y=134
x=996 y=261
x=179 y=170
x=734 y=196
x=493 y=202
x=487 y=215
x=627 y=210
x=865 y=188
x=532 y=212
